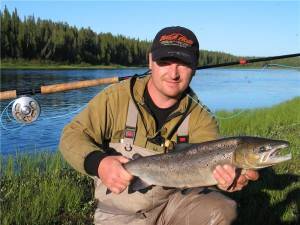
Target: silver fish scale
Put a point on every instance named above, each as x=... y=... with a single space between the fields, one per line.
x=190 y=168
x=193 y=166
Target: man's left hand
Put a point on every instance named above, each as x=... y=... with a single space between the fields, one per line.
x=226 y=174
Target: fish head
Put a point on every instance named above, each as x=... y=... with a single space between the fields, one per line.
x=256 y=153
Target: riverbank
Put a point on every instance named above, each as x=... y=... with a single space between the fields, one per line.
x=50 y=65
x=19 y=64
x=42 y=189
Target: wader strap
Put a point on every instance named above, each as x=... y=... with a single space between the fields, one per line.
x=183 y=131
x=131 y=121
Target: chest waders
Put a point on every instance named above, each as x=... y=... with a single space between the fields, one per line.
x=137 y=202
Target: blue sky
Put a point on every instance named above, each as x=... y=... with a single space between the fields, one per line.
x=243 y=28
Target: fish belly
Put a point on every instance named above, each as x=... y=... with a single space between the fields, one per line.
x=178 y=178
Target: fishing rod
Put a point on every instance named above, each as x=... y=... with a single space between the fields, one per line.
x=247 y=61
x=54 y=88
x=26 y=109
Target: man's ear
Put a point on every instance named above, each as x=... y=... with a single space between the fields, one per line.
x=150 y=61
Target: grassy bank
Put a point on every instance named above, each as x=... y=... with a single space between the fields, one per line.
x=42 y=189
x=50 y=65
x=275 y=197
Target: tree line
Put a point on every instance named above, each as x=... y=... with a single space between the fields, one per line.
x=57 y=41
x=38 y=39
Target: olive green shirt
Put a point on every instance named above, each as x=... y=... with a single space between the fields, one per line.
x=105 y=116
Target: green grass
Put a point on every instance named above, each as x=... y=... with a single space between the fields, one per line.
x=275 y=197
x=41 y=188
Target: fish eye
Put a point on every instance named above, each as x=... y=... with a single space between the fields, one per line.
x=262 y=149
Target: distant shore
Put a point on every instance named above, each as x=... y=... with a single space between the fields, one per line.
x=50 y=65
x=28 y=65
x=20 y=64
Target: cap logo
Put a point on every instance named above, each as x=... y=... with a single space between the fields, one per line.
x=175 y=39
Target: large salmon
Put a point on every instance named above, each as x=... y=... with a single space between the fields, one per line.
x=193 y=166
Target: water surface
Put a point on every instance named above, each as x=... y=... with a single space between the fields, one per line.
x=219 y=89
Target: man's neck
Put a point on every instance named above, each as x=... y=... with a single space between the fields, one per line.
x=160 y=114
x=158 y=99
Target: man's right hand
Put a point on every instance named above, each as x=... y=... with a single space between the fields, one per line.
x=112 y=173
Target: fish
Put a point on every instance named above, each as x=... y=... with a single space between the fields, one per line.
x=193 y=165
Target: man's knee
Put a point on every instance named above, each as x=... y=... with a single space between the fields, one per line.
x=215 y=209
x=205 y=208
x=224 y=212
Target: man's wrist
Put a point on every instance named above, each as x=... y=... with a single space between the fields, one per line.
x=92 y=162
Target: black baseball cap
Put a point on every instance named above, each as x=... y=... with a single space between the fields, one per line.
x=176 y=42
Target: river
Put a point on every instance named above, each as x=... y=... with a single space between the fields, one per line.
x=219 y=89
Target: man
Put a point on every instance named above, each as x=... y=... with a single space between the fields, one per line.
x=150 y=115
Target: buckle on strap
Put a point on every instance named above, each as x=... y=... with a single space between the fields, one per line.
x=129 y=132
x=182 y=139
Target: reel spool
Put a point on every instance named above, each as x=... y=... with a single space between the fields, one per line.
x=26 y=110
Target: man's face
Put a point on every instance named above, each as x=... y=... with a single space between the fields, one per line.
x=170 y=77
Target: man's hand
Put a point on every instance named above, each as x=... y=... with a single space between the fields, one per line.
x=226 y=174
x=112 y=173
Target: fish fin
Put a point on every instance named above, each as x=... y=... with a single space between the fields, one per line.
x=108 y=191
x=138 y=185
x=238 y=173
x=186 y=191
x=136 y=156
x=168 y=188
x=232 y=185
x=181 y=147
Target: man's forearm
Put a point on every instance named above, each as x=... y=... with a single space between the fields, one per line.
x=75 y=145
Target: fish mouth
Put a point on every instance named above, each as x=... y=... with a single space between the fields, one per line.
x=274 y=156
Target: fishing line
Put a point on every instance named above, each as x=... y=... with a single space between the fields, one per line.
x=65 y=115
x=229 y=117
x=5 y=113
x=2 y=115
x=280 y=65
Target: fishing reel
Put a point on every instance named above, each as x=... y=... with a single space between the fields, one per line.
x=26 y=110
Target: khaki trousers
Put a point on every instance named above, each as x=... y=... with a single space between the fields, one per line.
x=200 y=206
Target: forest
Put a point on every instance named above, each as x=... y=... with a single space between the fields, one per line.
x=44 y=40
